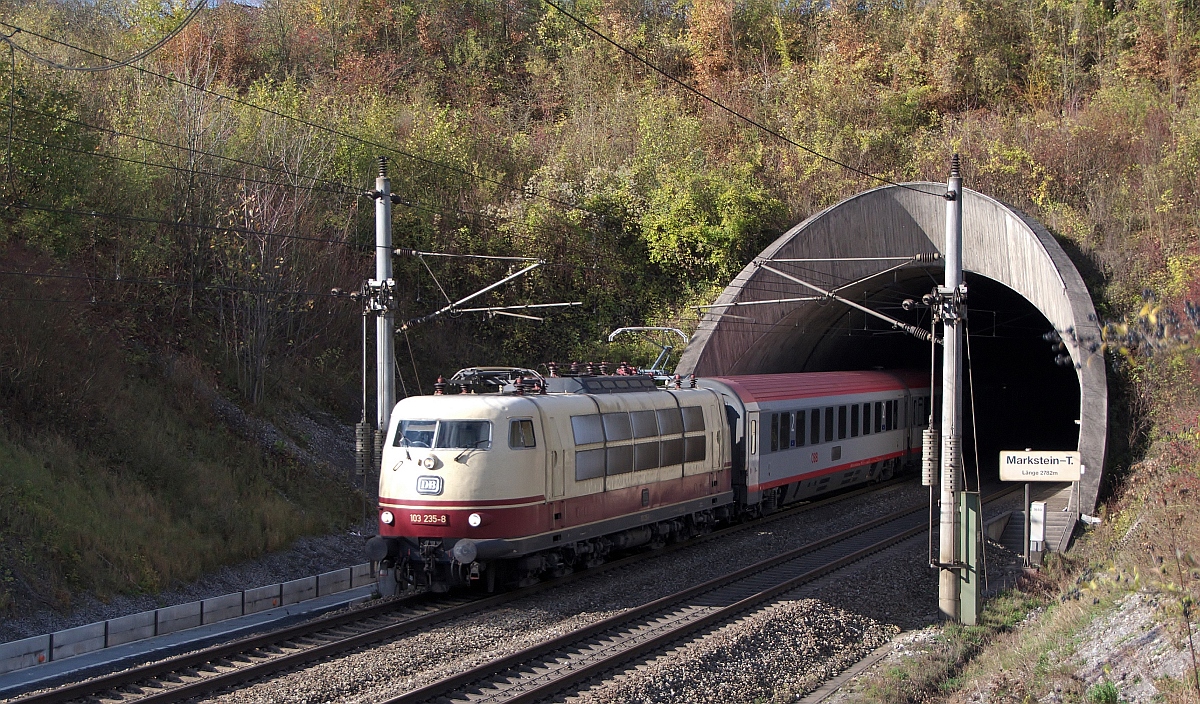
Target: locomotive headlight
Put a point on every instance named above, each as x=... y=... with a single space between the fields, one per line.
x=474 y=520
x=387 y=517
x=428 y=462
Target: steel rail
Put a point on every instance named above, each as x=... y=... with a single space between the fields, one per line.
x=555 y=677
x=153 y=675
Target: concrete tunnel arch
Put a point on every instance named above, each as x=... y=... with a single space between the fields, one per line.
x=1009 y=259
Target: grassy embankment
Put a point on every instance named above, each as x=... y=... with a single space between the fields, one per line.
x=115 y=474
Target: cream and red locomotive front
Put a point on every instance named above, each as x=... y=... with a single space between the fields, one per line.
x=525 y=477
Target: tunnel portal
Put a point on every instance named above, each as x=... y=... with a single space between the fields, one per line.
x=1021 y=284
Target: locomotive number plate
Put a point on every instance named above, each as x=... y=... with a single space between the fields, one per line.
x=429 y=519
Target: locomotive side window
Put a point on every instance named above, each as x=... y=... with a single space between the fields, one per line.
x=854 y=420
x=589 y=464
x=879 y=416
x=619 y=460
x=829 y=424
x=465 y=434
x=815 y=423
x=670 y=421
x=775 y=431
x=798 y=429
x=645 y=456
x=866 y=419
x=841 y=422
x=616 y=426
x=693 y=418
x=645 y=425
x=415 y=433
x=520 y=434
x=587 y=429
x=672 y=452
x=694 y=449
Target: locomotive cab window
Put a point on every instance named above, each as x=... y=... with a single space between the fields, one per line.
x=415 y=433
x=520 y=434
x=464 y=434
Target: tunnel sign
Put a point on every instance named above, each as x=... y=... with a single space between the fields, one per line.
x=1039 y=466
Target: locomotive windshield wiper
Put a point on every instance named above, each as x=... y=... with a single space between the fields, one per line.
x=471 y=447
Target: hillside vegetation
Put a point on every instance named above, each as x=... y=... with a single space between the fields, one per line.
x=205 y=200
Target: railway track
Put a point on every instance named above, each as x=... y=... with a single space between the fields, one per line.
x=550 y=668
x=226 y=665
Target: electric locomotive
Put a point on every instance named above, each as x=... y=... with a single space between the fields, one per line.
x=520 y=477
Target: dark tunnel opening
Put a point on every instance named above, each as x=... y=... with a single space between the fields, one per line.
x=1022 y=398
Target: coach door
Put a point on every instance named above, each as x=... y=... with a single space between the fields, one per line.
x=555 y=458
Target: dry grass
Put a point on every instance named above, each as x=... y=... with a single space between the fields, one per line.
x=1022 y=650
x=115 y=476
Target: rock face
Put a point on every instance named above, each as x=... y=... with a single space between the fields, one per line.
x=1134 y=650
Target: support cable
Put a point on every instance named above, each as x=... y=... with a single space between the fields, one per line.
x=174 y=284
x=975 y=442
x=435 y=280
x=307 y=123
x=413 y=357
x=116 y=63
x=689 y=87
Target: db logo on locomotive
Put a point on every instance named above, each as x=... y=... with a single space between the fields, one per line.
x=429 y=485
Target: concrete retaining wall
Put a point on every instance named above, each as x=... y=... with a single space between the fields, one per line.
x=20 y=654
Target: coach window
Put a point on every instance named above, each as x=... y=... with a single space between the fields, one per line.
x=829 y=424
x=814 y=436
x=671 y=452
x=520 y=434
x=774 y=432
x=798 y=429
x=693 y=418
x=619 y=460
x=616 y=426
x=866 y=419
x=879 y=416
x=670 y=421
x=587 y=429
x=589 y=464
x=841 y=422
x=645 y=455
x=896 y=419
x=645 y=425
x=854 y=420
